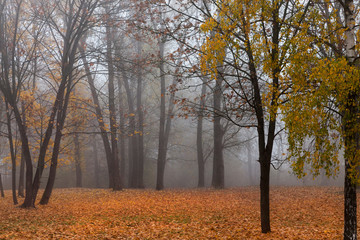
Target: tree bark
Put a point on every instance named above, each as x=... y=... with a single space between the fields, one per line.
x=28 y=203
x=113 y=124
x=140 y=127
x=10 y=91
x=350 y=206
x=21 y=177
x=60 y=121
x=351 y=149
x=350 y=122
x=77 y=157
x=162 y=148
x=22 y=166
x=133 y=145
x=218 y=160
x=200 y=154
x=1 y=187
x=264 y=162
x=99 y=115
x=12 y=155
x=96 y=163
x=265 y=193
x=122 y=133
x=199 y=139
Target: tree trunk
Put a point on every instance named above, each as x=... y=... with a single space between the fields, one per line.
x=112 y=110
x=54 y=158
x=22 y=165
x=9 y=93
x=96 y=164
x=133 y=145
x=12 y=154
x=28 y=203
x=21 y=176
x=351 y=149
x=199 y=139
x=162 y=148
x=134 y=148
x=99 y=115
x=140 y=127
x=1 y=187
x=60 y=121
x=218 y=180
x=140 y=140
x=53 y=166
x=350 y=129
x=265 y=193
x=200 y=154
x=350 y=206
x=77 y=158
x=122 y=132
x=264 y=162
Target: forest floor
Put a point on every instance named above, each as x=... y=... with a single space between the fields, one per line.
x=296 y=213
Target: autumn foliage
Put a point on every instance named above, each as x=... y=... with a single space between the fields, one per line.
x=297 y=213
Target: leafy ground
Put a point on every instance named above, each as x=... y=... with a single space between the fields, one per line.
x=296 y=213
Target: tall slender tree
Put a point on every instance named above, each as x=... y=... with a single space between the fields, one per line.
x=325 y=96
x=257 y=38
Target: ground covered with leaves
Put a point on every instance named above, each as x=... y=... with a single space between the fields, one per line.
x=296 y=213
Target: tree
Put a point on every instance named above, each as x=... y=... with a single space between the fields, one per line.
x=324 y=82
x=199 y=138
x=252 y=39
x=76 y=22
x=128 y=73
x=100 y=119
x=117 y=185
x=77 y=122
x=12 y=154
x=78 y=19
x=10 y=83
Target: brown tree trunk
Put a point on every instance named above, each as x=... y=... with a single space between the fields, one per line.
x=134 y=148
x=350 y=125
x=60 y=121
x=199 y=139
x=10 y=91
x=263 y=159
x=162 y=146
x=70 y=46
x=140 y=127
x=165 y=120
x=122 y=141
x=22 y=165
x=200 y=154
x=265 y=193
x=1 y=187
x=113 y=124
x=133 y=145
x=28 y=203
x=12 y=154
x=21 y=176
x=96 y=163
x=350 y=206
x=218 y=162
x=67 y=61
x=350 y=128
x=99 y=115
x=77 y=158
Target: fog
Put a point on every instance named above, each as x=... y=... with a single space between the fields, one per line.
x=142 y=104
